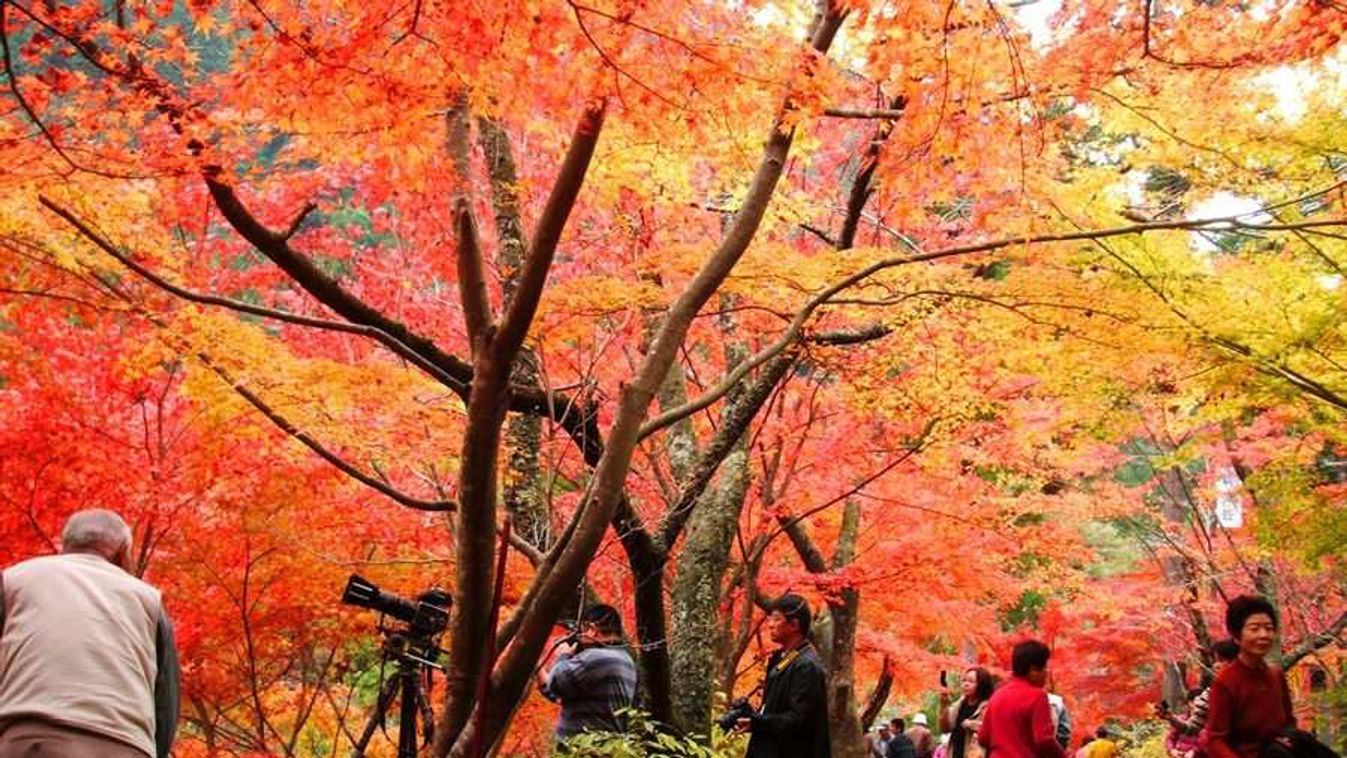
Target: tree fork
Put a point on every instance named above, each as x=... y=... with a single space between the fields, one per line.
x=607 y=485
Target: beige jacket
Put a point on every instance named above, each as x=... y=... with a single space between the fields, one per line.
x=79 y=647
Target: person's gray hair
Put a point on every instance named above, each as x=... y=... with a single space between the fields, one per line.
x=95 y=530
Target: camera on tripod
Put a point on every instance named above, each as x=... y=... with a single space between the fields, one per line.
x=415 y=650
x=427 y=616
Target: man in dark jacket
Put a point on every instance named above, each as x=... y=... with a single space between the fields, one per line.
x=793 y=722
x=901 y=746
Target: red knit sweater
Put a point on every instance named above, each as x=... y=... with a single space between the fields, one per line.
x=1018 y=723
x=1248 y=706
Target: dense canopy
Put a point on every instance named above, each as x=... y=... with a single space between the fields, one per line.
x=968 y=320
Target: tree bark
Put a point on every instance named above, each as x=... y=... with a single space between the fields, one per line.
x=846 y=724
x=523 y=496
x=1308 y=646
x=878 y=696
x=494 y=353
x=697 y=595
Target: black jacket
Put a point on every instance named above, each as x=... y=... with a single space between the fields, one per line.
x=901 y=746
x=793 y=722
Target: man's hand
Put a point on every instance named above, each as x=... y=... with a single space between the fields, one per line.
x=743 y=726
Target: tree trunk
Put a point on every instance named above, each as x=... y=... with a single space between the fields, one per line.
x=878 y=696
x=846 y=723
x=523 y=495
x=475 y=543
x=566 y=564
x=697 y=595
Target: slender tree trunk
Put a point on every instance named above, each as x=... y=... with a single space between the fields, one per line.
x=474 y=543
x=697 y=595
x=523 y=496
x=842 y=711
x=878 y=696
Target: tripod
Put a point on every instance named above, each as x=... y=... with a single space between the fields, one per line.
x=416 y=664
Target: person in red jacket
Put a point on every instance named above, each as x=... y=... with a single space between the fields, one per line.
x=1249 y=708
x=1018 y=723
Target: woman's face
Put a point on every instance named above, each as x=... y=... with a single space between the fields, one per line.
x=1257 y=635
x=970 y=683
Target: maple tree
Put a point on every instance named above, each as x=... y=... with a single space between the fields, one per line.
x=909 y=338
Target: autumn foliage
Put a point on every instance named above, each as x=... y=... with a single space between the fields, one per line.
x=968 y=320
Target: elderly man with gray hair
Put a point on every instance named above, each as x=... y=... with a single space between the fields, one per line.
x=88 y=665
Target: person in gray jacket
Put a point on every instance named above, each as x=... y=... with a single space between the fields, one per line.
x=88 y=663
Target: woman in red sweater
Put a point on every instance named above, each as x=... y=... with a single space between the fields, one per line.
x=1250 y=704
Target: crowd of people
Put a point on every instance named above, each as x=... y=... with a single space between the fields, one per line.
x=64 y=692
x=1245 y=711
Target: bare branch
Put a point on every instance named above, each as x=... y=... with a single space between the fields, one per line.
x=732 y=427
x=850 y=336
x=375 y=333
x=867 y=113
x=792 y=332
x=299 y=219
x=323 y=287
x=861 y=188
x=787 y=522
x=805 y=547
x=308 y=441
x=817 y=232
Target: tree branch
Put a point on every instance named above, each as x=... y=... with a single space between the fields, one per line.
x=477 y=314
x=579 y=419
x=890 y=114
x=533 y=277
x=384 y=338
x=471 y=282
x=733 y=425
x=312 y=444
x=841 y=337
x=793 y=331
x=1314 y=642
x=915 y=448
x=328 y=292
x=809 y=553
x=299 y=219
x=861 y=186
x=878 y=696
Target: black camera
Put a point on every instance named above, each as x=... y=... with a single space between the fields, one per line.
x=739 y=709
x=428 y=615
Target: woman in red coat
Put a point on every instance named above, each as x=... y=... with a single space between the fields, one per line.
x=1250 y=704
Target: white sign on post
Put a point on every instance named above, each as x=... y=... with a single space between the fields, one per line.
x=1229 y=504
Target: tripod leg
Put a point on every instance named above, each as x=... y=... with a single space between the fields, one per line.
x=411 y=696
x=377 y=718
x=427 y=715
